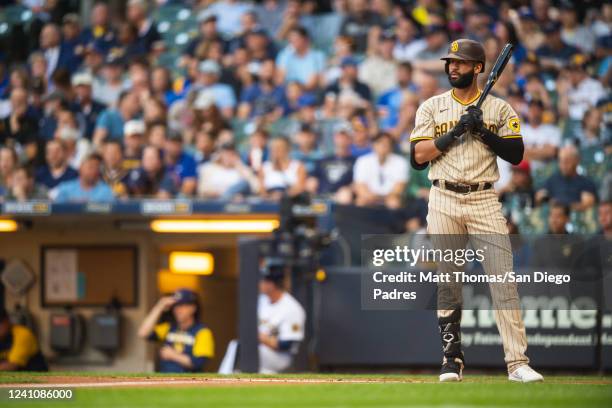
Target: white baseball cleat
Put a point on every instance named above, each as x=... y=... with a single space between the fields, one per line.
x=525 y=374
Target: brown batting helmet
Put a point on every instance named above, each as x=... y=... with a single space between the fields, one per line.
x=466 y=49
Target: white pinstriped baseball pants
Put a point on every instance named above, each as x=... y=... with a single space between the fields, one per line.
x=451 y=219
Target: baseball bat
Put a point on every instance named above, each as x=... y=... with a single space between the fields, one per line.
x=498 y=68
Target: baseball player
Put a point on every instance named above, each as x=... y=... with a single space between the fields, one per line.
x=461 y=143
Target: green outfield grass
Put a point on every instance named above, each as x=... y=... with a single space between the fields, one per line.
x=421 y=391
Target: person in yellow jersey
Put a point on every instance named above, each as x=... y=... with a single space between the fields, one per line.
x=186 y=343
x=19 y=349
x=461 y=142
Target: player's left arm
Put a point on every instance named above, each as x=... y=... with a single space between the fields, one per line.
x=507 y=142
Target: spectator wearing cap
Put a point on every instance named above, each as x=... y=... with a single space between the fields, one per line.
x=137 y=15
x=113 y=171
x=381 y=176
x=281 y=320
x=56 y=170
x=390 y=103
x=519 y=191
x=358 y=23
x=348 y=82
x=299 y=61
x=542 y=140
x=333 y=174
x=89 y=187
x=19 y=347
x=209 y=72
x=566 y=186
x=577 y=90
x=108 y=87
x=306 y=148
x=133 y=143
x=111 y=121
x=187 y=344
x=573 y=32
x=379 y=69
x=24 y=186
x=87 y=107
x=225 y=176
x=408 y=44
x=281 y=175
x=77 y=148
x=151 y=178
x=264 y=98
x=207 y=21
x=56 y=54
x=180 y=164
x=99 y=29
x=554 y=53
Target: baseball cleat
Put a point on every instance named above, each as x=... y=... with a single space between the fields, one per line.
x=452 y=370
x=525 y=374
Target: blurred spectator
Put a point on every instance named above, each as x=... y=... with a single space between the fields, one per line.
x=228 y=13
x=408 y=45
x=137 y=15
x=257 y=150
x=437 y=45
x=57 y=169
x=555 y=53
x=577 y=91
x=111 y=121
x=210 y=89
x=128 y=47
x=151 y=179
x=379 y=69
x=306 y=151
x=23 y=186
x=107 y=89
x=21 y=126
x=390 y=102
x=100 y=29
x=519 y=191
x=333 y=174
x=358 y=23
x=204 y=146
x=573 y=32
x=281 y=175
x=89 y=187
x=592 y=133
x=133 y=142
x=541 y=140
x=381 y=176
x=207 y=21
x=264 y=97
x=566 y=186
x=360 y=134
x=225 y=176
x=558 y=217
x=77 y=147
x=605 y=218
x=348 y=82
x=8 y=163
x=299 y=62
x=180 y=165
x=113 y=172
x=19 y=347
x=72 y=39
x=57 y=55
x=87 y=106
x=187 y=343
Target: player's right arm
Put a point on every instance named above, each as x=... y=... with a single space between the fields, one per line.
x=422 y=147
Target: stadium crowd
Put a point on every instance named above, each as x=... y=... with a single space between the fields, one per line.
x=273 y=97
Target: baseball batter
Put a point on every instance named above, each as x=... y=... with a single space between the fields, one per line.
x=460 y=143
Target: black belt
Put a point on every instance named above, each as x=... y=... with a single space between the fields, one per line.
x=462 y=188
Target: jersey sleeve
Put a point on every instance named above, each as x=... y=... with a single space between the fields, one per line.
x=292 y=326
x=424 y=125
x=509 y=125
x=23 y=348
x=204 y=345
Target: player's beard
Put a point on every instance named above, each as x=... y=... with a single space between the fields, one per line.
x=463 y=81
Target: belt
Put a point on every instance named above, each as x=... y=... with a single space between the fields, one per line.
x=461 y=188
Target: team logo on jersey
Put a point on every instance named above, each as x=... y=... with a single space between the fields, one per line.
x=514 y=125
x=454 y=46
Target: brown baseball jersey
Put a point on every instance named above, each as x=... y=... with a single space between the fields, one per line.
x=469 y=160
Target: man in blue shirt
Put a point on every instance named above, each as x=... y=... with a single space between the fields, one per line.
x=390 y=102
x=57 y=169
x=566 y=186
x=88 y=187
x=208 y=81
x=299 y=61
x=110 y=122
x=264 y=97
x=187 y=343
x=180 y=165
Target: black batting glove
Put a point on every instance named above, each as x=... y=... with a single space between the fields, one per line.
x=475 y=116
